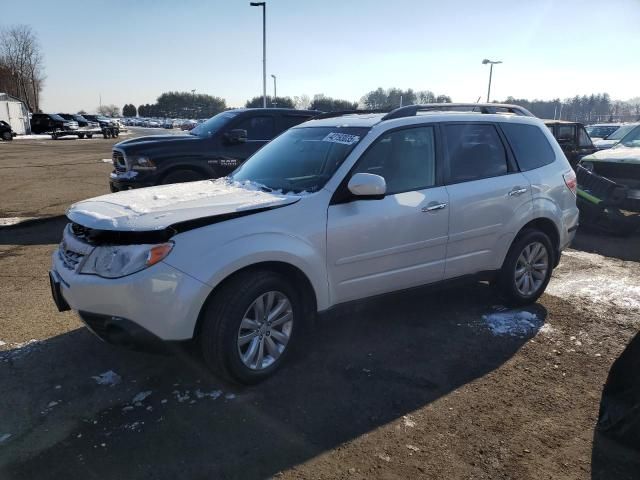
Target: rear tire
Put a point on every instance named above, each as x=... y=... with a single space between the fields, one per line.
x=527 y=268
x=89 y=135
x=228 y=322
x=81 y=136
x=182 y=176
x=7 y=137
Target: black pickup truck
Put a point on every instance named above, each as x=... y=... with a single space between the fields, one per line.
x=212 y=149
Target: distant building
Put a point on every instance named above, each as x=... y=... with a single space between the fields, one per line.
x=15 y=113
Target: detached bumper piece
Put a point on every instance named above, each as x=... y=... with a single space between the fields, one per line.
x=606 y=204
x=123 y=332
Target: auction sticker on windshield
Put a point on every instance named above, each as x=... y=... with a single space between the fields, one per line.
x=343 y=138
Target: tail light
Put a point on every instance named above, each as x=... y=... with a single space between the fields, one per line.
x=571 y=181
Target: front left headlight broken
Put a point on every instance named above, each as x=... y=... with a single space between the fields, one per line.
x=115 y=261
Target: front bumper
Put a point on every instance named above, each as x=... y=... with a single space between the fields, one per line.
x=128 y=180
x=160 y=300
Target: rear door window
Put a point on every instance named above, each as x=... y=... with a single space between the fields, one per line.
x=529 y=145
x=475 y=151
x=258 y=128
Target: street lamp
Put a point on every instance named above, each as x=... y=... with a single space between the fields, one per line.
x=275 y=94
x=264 y=49
x=492 y=63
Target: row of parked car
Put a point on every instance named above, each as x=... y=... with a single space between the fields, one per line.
x=168 y=123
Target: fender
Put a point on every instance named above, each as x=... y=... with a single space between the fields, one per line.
x=218 y=264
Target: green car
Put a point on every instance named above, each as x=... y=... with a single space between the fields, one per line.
x=609 y=186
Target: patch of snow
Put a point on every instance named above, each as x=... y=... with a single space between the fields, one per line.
x=512 y=322
x=32 y=137
x=11 y=221
x=58 y=387
x=230 y=396
x=4 y=437
x=408 y=422
x=108 y=378
x=180 y=397
x=546 y=329
x=106 y=160
x=52 y=404
x=412 y=448
x=2 y=343
x=141 y=397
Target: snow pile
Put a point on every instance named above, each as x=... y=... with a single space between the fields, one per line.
x=605 y=282
x=514 y=323
x=108 y=378
x=141 y=397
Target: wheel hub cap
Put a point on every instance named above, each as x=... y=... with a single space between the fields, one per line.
x=531 y=268
x=265 y=330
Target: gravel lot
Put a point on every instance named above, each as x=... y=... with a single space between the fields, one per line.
x=427 y=384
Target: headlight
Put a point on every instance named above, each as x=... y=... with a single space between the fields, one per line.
x=142 y=163
x=115 y=261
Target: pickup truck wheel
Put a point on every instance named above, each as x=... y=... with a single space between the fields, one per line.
x=526 y=270
x=250 y=326
x=181 y=176
x=6 y=136
x=81 y=136
x=89 y=135
x=54 y=136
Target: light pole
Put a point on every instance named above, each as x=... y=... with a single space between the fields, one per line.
x=275 y=92
x=264 y=49
x=193 y=102
x=492 y=63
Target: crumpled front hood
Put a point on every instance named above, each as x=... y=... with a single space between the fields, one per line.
x=156 y=208
x=619 y=154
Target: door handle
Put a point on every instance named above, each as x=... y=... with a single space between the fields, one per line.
x=517 y=191
x=433 y=206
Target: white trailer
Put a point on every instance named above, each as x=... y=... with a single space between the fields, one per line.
x=15 y=113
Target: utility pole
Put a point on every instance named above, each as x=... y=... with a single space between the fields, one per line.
x=491 y=63
x=264 y=49
x=275 y=92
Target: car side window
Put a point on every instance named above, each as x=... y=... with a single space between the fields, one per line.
x=529 y=144
x=475 y=152
x=258 y=128
x=405 y=158
x=583 y=138
x=566 y=133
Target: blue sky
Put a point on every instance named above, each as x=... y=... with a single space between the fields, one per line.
x=132 y=51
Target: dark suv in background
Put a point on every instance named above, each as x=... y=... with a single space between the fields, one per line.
x=573 y=139
x=212 y=149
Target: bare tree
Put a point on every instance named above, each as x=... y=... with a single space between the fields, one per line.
x=302 y=102
x=109 y=110
x=21 y=65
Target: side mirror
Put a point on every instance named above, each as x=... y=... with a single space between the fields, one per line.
x=367 y=186
x=236 y=136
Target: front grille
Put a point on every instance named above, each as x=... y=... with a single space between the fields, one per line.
x=74 y=247
x=70 y=259
x=119 y=162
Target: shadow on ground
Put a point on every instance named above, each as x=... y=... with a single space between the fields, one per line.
x=624 y=248
x=43 y=231
x=361 y=368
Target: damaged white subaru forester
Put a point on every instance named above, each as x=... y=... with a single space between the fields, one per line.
x=334 y=210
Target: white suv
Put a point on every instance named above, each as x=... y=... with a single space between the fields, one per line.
x=334 y=210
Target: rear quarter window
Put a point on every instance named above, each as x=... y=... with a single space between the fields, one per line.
x=529 y=145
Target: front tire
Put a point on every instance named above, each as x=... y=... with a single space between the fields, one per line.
x=7 y=137
x=250 y=326
x=526 y=270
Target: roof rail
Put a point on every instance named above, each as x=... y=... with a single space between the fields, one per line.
x=346 y=112
x=412 y=110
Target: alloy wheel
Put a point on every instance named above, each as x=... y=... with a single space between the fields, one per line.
x=531 y=268
x=265 y=330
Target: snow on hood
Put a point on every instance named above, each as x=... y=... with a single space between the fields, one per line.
x=619 y=153
x=156 y=208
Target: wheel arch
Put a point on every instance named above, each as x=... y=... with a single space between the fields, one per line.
x=288 y=270
x=549 y=228
x=179 y=167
